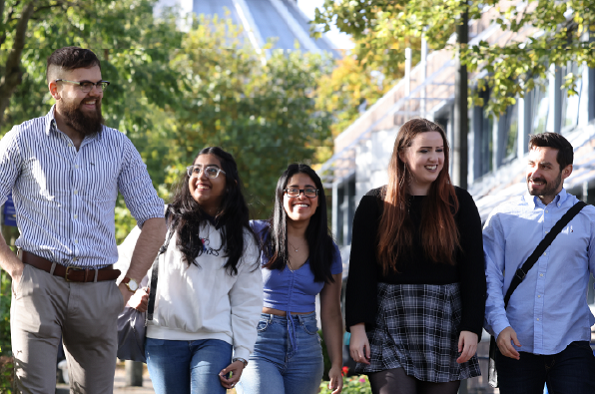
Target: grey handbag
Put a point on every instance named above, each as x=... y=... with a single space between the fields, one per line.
x=131 y=335
x=132 y=324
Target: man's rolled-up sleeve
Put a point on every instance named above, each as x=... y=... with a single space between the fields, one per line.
x=494 y=245
x=135 y=185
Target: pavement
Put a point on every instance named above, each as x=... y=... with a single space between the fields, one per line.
x=120 y=383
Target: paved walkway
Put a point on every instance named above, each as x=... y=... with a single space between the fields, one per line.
x=120 y=383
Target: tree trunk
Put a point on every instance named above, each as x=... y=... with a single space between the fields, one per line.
x=461 y=116
x=13 y=73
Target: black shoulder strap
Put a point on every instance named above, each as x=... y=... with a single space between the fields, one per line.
x=155 y=270
x=543 y=245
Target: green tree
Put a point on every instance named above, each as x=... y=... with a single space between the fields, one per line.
x=264 y=114
x=31 y=30
x=387 y=28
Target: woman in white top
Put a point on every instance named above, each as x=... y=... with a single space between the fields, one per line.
x=209 y=291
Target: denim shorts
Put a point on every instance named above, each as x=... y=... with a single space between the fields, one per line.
x=287 y=357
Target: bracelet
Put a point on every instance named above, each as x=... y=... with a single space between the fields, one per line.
x=244 y=361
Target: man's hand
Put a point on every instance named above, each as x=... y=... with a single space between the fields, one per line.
x=504 y=340
x=467 y=346
x=10 y=263
x=17 y=272
x=126 y=294
x=140 y=300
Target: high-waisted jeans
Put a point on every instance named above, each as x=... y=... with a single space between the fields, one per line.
x=187 y=367
x=287 y=357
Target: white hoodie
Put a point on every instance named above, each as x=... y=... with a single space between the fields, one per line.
x=205 y=302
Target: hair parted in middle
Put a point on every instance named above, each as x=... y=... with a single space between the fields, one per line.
x=232 y=218
x=320 y=242
x=438 y=229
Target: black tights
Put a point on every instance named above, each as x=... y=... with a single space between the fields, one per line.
x=396 y=381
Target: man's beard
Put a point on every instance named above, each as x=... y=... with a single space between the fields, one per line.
x=550 y=189
x=85 y=124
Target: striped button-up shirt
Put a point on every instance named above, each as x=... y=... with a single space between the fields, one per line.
x=64 y=198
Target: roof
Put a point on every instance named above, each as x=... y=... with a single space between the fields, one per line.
x=278 y=20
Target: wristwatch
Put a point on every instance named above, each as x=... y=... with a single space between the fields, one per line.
x=131 y=284
x=244 y=361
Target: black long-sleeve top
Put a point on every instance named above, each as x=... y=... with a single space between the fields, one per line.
x=414 y=268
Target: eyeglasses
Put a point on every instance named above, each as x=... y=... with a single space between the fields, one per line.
x=87 y=86
x=309 y=192
x=211 y=171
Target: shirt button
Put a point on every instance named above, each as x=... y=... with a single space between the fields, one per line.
x=544 y=253
x=539 y=296
x=540 y=274
x=76 y=166
x=546 y=211
x=76 y=241
x=537 y=319
x=69 y=145
x=76 y=216
x=76 y=192
x=547 y=231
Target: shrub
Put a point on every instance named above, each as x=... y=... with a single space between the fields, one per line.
x=357 y=384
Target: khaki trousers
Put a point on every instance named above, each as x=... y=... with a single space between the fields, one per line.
x=44 y=308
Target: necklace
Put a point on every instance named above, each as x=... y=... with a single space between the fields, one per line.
x=293 y=247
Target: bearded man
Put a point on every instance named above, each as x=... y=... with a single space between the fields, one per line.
x=543 y=335
x=65 y=171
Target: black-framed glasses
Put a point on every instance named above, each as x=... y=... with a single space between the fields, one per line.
x=87 y=86
x=211 y=171
x=309 y=192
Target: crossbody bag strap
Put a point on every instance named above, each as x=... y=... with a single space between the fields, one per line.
x=543 y=245
x=155 y=269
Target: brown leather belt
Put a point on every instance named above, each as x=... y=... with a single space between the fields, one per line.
x=70 y=273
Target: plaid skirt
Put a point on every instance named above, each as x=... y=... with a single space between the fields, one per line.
x=417 y=330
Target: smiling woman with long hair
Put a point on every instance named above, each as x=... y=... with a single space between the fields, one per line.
x=299 y=261
x=209 y=293
x=416 y=289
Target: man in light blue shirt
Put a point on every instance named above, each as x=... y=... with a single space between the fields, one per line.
x=543 y=335
x=65 y=171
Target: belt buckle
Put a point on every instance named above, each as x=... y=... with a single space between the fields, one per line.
x=68 y=268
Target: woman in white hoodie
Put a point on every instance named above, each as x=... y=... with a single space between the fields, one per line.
x=209 y=291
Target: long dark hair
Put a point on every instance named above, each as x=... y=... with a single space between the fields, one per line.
x=320 y=242
x=232 y=219
x=438 y=228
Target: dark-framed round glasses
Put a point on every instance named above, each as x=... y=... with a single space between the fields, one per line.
x=309 y=192
x=211 y=171
x=87 y=86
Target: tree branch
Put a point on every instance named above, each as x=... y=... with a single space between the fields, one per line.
x=13 y=72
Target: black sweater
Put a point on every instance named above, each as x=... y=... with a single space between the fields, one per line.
x=414 y=268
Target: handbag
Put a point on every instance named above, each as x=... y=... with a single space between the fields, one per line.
x=132 y=324
x=520 y=275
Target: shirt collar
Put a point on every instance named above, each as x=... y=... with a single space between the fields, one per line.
x=50 y=124
x=50 y=121
x=534 y=201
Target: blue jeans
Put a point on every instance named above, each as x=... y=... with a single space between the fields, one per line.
x=287 y=357
x=187 y=367
x=570 y=371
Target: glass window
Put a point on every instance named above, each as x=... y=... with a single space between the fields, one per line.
x=511 y=133
x=571 y=105
x=540 y=105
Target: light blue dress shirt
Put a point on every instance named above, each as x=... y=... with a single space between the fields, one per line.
x=549 y=309
x=65 y=198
